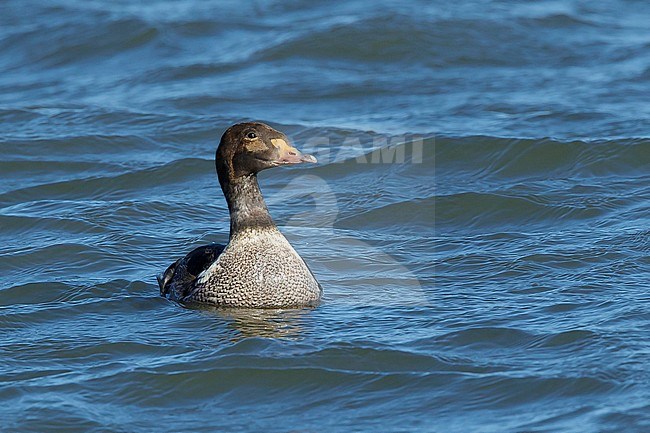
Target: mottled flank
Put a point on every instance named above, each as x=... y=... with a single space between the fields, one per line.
x=258 y=268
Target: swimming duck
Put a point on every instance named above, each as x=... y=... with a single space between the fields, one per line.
x=258 y=268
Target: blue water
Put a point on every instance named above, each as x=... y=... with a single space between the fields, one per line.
x=479 y=218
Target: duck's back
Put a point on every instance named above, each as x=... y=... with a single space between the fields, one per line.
x=179 y=278
x=258 y=269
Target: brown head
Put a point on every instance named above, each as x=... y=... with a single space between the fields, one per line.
x=247 y=148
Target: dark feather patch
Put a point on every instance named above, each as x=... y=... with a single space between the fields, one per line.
x=179 y=278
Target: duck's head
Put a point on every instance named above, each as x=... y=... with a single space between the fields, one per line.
x=247 y=148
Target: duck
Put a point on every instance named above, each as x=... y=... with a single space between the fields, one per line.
x=258 y=267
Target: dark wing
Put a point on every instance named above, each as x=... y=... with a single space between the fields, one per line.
x=178 y=279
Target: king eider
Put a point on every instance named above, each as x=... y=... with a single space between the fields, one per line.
x=258 y=268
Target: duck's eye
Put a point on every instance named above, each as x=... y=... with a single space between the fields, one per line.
x=251 y=136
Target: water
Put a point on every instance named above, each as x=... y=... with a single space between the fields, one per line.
x=496 y=280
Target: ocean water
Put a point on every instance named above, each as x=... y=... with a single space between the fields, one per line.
x=479 y=218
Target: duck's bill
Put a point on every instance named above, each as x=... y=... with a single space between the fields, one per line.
x=289 y=154
x=297 y=158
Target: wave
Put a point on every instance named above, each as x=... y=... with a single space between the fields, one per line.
x=409 y=35
x=60 y=43
x=513 y=158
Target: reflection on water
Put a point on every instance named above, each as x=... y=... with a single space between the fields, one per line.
x=255 y=322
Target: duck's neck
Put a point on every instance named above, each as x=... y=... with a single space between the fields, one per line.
x=246 y=204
